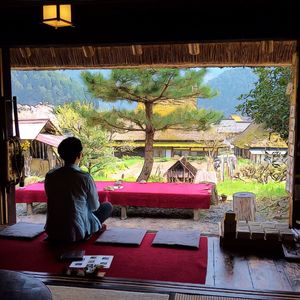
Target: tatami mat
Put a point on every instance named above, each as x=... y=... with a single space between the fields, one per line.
x=203 y=297
x=74 y=293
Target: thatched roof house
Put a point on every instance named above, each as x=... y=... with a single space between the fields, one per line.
x=173 y=142
x=255 y=141
x=42 y=137
x=232 y=127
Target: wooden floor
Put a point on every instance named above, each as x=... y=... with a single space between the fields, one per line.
x=230 y=274
x=235 y=270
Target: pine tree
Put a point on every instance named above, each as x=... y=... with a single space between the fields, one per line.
x=148 y=88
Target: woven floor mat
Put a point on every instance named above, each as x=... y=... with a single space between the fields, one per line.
x=204 y=297
x=74 y=293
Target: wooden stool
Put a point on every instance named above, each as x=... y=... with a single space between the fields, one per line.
x=244 y=206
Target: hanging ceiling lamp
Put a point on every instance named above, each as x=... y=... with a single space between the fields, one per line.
x=57 y=15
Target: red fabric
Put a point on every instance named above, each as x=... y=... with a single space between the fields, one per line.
x=151 y=194
x=31 y=193
x=143 y=262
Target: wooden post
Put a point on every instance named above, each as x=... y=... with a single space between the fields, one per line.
x=29 y=208
x=7 y=193
x=293 y=141
x=197 y=214
x=123 y=212
x=244 y=206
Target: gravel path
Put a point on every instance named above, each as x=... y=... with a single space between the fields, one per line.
x=150 y=218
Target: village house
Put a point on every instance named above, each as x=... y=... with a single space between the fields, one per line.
x=39 y=138
x=233 y=126
x=256 y=142
x=182 y=142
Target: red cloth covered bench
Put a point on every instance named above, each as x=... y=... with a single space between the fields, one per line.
x=151 y=194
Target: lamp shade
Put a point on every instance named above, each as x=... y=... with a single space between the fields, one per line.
x=57 y=15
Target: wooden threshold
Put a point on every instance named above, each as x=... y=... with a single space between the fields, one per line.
x=171 y=288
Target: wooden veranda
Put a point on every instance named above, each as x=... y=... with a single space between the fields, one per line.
x=168 y=33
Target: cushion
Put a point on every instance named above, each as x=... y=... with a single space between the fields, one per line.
x=177 y=238
x=128 y=236
x=22 y=230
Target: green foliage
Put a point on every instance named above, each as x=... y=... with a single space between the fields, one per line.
x=130 y=161
x=196 y=158
x=264 y=173
x=156 y=178
x=72 y=118
x=243 y=161
x=130 y=178
x=268 y=102
x=144 y=85
x=269 y=190
x=163 y=159
x=32 y=87
x=149 y=87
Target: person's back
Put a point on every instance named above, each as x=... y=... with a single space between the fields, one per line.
x=69 y=214
x=73 y=211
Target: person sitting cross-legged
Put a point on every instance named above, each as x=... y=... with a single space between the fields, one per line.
x=74 y=211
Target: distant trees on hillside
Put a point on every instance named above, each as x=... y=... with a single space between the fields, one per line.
x=32 y=87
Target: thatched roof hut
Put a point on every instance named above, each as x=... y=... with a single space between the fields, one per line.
x=171 y=142
x=181 y=171
x=256 y=140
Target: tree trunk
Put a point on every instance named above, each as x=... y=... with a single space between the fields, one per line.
x=149 y=141
x=244 y=206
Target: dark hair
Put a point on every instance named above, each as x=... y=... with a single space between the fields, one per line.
x=69 y=149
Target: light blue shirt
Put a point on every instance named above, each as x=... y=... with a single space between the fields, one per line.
x=72 y=198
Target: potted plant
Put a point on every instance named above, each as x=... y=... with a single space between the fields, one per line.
x=223 y=197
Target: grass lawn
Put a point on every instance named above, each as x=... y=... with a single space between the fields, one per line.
x=270 y=190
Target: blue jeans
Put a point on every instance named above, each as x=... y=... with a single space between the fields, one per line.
x=104 y=211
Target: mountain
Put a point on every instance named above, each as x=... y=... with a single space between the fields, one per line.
x=230 y=85
x=54 y=87
x=58 y=87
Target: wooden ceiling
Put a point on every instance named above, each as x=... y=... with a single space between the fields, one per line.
x=227 y=33
x=264 y=53
x=111 y=22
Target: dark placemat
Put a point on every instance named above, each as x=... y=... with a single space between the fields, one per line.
x=177 y=238
x=291 y=251
x=22 y=230
x=128 y=236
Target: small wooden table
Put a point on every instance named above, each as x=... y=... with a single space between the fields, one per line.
x=244 y=206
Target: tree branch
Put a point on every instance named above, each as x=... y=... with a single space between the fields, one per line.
x=167 y=84
x=120 y=127
x=137 y=122
x=126 y=90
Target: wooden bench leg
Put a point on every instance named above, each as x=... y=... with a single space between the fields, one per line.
x=123 y=213
x=197 y=214
x=29 y=208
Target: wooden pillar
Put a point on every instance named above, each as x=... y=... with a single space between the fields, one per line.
x=7 y=195
x=293 y=171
